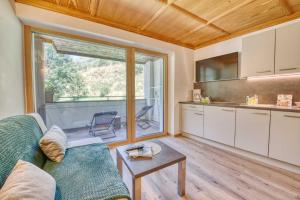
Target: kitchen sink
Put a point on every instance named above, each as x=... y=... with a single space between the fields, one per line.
x=222 y=102
x=260 y=105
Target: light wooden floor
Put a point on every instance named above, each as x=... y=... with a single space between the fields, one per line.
x=216 y=174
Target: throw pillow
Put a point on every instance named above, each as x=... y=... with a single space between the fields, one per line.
x=54 y=144
x=27 y=181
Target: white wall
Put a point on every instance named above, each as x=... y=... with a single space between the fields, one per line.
x=180 y=59
x=11 y=62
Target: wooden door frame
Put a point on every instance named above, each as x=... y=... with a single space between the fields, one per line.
x=165 y=93
x=28 y=79
x=130 y=86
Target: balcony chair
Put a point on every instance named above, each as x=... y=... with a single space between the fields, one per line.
x=103 y=122
x=141 y=121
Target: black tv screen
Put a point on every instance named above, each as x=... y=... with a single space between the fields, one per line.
x=223 y=67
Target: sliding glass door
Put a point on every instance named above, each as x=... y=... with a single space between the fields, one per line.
x=81 y=87
x=94 y=89
x=149 y=94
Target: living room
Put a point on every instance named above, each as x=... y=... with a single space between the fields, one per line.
x=156 y=99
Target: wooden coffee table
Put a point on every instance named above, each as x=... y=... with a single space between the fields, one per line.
x=139 y=168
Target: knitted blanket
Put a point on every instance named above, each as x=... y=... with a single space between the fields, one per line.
x=19 y=139
x=87 y=172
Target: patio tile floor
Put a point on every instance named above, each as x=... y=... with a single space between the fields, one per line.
x=81 y=133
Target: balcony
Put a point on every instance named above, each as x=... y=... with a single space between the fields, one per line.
x=74 y=117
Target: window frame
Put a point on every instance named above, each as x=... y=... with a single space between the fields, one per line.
x=29 y=98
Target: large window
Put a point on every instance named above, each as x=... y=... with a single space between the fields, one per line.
x=87 y=89
x=77 y=78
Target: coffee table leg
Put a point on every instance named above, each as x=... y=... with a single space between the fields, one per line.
x=136 y=188
x=181 y=177
x=119 y=164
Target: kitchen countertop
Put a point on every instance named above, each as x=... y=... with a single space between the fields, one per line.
x=237 y=105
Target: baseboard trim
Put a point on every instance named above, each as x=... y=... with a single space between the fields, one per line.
x=255 y=157
x=174 y=134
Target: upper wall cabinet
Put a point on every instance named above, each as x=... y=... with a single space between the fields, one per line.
x=287 y=59
x=258 y=54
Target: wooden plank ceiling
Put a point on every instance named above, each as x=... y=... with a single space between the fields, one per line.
x=189 y=23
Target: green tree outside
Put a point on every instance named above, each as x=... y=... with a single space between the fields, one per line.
x=76 y=78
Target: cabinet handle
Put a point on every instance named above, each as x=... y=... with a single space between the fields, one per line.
x=291 y=116
x=263 y=71
x=198 y=114
x=287 y=69
x=228 y=110
x=259 y=113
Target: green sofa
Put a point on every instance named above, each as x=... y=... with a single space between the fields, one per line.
x=86 y=172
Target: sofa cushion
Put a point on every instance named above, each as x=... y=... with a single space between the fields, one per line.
x=19 y=139
x=86 y=173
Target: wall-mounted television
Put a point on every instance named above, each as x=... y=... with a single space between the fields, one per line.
x=223 y=67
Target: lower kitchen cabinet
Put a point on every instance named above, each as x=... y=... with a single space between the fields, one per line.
x=275 y=134
x=192 y=120
x=219 y=124
x=285 y=137
x=252 y=130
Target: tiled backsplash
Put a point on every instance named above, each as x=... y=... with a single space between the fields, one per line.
x=237 y=90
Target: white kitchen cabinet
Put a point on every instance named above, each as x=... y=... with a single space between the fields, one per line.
x=219 y=124
x=285 y=137
x=252 y=130
x=192 y=119
x=258 y=54
x=287 y=59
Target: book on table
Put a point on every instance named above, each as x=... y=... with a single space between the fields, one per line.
x=145 y=152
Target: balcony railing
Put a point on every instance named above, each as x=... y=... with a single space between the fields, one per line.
x=93 y=98
x=77 y=114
